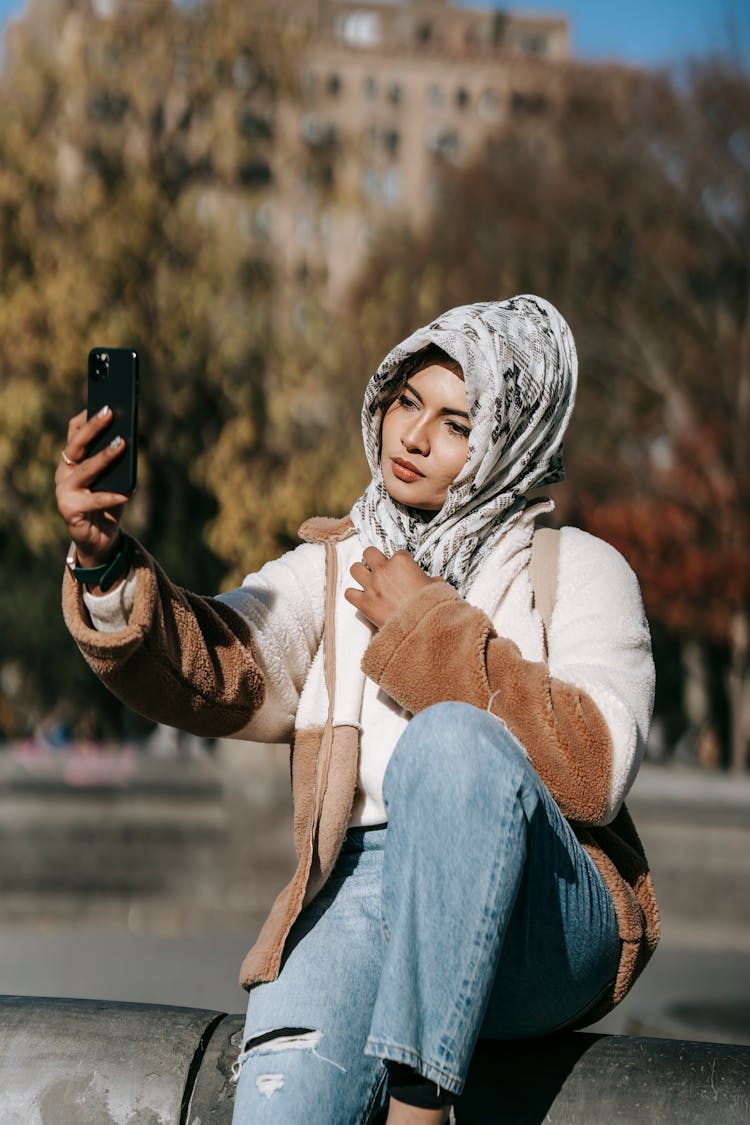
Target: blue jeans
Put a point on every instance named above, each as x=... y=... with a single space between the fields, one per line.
x=475 y=913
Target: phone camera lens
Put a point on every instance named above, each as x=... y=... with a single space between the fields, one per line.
x=101 y=366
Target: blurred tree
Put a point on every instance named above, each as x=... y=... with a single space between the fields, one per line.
x=308 y=441
x=628 y=206
x=136 y=154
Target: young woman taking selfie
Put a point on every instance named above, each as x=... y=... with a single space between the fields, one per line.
x=460 y=754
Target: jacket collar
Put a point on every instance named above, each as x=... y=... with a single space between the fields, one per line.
x=326 y=529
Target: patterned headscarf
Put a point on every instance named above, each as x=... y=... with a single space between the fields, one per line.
x=520 y=370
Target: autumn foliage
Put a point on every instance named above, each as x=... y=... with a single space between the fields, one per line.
x=137 y=162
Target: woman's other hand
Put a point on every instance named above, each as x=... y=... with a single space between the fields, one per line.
x=92 y=518
x=387 y=584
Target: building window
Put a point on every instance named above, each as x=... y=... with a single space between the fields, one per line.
x=395 y=93
x=334 y=85
x=360 y=29
x=462 y=97
x=531 y=103
x=391 y=141
x=435 y=96
x=424 y=33
x=382 y=187
x=370 y=88
x=443 y=142
x=489 y=105
x=370 y=183
x=532 y=44
x=319 y=134
x=390 y=187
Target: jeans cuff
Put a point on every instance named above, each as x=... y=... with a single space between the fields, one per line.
x=393 y=1052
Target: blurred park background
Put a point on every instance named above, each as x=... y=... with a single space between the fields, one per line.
x=262 y=199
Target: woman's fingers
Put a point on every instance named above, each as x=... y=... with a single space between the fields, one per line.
x=83 y=473
x=88 y=470
x=84 y=502
x=75 y=423
x=387 y=584
x=92 y=518
x=360 y=573
x=81 y=432
x=373 y=558
x=371 y=561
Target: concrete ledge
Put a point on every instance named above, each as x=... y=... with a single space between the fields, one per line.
x=577 y=1078
x=87 y=1062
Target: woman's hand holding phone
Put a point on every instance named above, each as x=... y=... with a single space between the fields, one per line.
x=92 y=518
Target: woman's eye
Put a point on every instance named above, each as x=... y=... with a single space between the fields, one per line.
x=458 y=429
x=409 y=403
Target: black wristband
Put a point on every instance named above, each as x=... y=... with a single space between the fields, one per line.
x=106 y=575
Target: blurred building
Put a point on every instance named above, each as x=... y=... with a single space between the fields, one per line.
x=388 y=95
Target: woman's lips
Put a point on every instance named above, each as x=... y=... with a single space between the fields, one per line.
x=404 y=470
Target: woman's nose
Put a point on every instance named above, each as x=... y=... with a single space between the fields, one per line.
x=416 y=439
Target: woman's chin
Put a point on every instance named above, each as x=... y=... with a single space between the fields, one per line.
x=415 y=504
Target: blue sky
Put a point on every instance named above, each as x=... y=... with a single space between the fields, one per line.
x=647 y=32
x=653 y=32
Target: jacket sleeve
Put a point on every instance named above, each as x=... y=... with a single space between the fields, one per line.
x=215 y=666
x=583 y=717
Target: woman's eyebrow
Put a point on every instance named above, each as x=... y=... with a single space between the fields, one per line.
x=445 y=410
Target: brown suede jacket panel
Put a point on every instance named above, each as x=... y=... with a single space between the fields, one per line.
x=440 y=647
x=183 y=660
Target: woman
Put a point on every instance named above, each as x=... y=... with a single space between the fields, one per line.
x=466 y=867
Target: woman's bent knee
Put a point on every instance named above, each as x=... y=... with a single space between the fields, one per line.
x=451 y=747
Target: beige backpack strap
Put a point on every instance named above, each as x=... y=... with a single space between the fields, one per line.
x=325 y=750
x=543 y=565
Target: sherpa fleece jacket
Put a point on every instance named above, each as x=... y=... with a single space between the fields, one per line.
x=205 y=665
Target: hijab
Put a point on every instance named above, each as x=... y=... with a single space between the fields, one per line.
x=520 y=371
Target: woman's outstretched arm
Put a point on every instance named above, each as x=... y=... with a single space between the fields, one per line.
x=213 y=666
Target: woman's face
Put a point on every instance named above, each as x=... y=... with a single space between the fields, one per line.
x=425 y=438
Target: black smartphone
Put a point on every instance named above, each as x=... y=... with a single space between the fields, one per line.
x=113 y=382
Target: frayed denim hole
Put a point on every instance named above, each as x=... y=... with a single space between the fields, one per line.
x=279 y=1040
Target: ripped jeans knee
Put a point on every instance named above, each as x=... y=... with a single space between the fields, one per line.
x=306 y=1076
x=277 y=1041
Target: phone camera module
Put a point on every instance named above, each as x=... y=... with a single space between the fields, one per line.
x=101 y=366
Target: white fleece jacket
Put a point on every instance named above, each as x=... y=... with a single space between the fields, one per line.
x=598 y=641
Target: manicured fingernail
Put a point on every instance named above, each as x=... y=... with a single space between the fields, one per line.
x=104 y=410
x=115 y=443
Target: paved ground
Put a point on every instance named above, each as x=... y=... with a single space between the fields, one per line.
x=697 y=830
